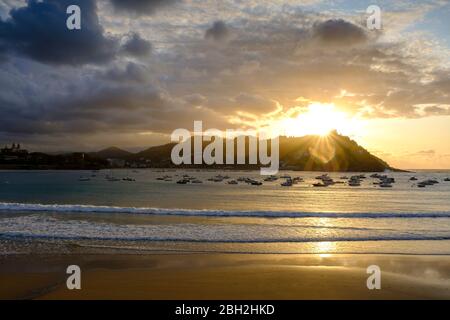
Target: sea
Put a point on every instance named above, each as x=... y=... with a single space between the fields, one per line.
x=86 y=210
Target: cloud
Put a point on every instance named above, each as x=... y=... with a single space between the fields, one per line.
x=141 y=7
x=219 y=31
x=195 y=99
x=136 y=46
x=132 y=72
x=38 y=31
x=254 y=103
x=273 y=55
x=338 y=32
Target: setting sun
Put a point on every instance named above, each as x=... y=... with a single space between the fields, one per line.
x=320 y=119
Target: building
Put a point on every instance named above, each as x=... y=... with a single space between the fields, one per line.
x=14 y=152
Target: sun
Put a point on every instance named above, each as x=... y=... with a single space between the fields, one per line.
x=320 y=119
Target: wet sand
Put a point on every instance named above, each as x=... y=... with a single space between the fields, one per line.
x=224 y=276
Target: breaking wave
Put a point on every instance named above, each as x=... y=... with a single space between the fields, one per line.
x=66 y=208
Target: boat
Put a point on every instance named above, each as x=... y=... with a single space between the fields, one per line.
x=385 y=185
x=196 y=181
x=84 y=179
x=421 y=185
x=429 y=182
x=128 y=179
x=354 y=181
x=232 y=182
x=182 y=181
x=447 y=179
x=287 y=183
x=256 y=183
x=413 y=179
x=320 y=185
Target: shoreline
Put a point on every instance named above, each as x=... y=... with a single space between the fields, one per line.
x=181 y=276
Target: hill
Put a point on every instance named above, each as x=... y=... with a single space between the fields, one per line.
x=111 y=153
x=334 y=152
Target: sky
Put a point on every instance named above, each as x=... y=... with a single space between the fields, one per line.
x=139 y=69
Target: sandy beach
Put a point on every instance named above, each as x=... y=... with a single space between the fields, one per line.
x=224 y=276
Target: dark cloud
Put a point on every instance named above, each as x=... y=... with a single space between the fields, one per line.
x=133 y=72
x=195 y=99
x=141 y=7
x=338 y=32
x=38 y=30
x=436 y=111
x=254 y=103
x=219 y=31
x=136 y=46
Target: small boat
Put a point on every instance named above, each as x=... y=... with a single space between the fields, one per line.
x=425 y=183
x=385 y=185
x=232 y=182
x=256 y=183
x=182 y=181
x=84 y=179
x=421 y=185
x=413 y=179
x=447 y=179
x=318 y=185
x=354 y=184
x=128 y=179
x=196 y=181
x=287 y=183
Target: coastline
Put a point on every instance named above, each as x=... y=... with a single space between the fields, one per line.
x=177 y=276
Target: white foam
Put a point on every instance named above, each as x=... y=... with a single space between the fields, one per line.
x=44 y=226
x=78 y=208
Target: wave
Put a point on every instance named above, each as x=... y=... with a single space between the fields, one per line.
x=69 y=208
x=16 y=236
